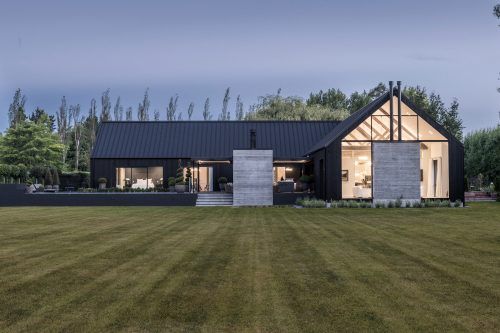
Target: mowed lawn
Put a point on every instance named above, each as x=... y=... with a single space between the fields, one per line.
x=143 y=269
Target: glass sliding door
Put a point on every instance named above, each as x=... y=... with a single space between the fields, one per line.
x=139 y=178
x=203 y=179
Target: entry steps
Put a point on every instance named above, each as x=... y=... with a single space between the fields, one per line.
x=214 y=199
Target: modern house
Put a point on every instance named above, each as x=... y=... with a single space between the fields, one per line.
x=387 y=150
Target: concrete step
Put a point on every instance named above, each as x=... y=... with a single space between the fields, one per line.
x=198 y=204
x=214 y=199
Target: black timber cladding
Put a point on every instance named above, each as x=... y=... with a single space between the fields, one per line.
x=209 y=140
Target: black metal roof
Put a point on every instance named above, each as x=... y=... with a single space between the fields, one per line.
x=209 y=140
x=350 y=123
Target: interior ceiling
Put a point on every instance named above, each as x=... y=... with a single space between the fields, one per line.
x=377 y=126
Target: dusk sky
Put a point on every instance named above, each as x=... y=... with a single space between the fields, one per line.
x=198 y=48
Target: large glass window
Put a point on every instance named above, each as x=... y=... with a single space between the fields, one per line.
x=434 y=170
x=139 y=178
x=356 y=170
x=357 y=152
x=377 y=126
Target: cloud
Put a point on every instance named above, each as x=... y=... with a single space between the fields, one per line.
x=428 y=58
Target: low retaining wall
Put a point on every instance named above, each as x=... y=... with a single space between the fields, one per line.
x=282 y=199
x=13 y=195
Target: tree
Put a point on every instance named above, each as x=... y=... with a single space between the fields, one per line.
x=435 y=107
x=143 y=109
x=378 y=91
x=496 y=11
x=118 y=110
x=31 y=144
x=450 y=119
x=128 y=114
x=358 y=100
x=92 y=123
x=41 y=117
x=225 y=114
x=206 y=111
x=418 y=96
x=16 y=109
x=190 y=110
x=172 y=108
x=334 y=99
x=239 y=114
x=156 y=115
x=277 y=107
x=106 y=106
x=482 y=157
x=77 y=131
x=63 y=125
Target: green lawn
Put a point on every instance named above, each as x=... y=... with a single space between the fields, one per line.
x=270 y=269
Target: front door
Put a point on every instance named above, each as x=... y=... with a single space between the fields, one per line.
x=204 y=178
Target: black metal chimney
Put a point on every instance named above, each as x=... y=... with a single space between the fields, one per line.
x=400 y=125
x=253 y=139
x=391 y=90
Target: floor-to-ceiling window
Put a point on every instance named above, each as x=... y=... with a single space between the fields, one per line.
x=139 y=178
x=356 y=170
x=357 y=152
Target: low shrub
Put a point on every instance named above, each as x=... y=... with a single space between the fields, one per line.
x=390 y=204
x=458 y=203
x=444 y=203
x=416 y=204
x=311 y=203
x=365 y=204
x=398 y=203
x=379 y=205
x=353 y=204
x=171 y=181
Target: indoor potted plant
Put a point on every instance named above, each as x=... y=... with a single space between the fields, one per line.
x=171 y=184
x=222 y=183
x=304 y=182
x=180 y=184
x=102 y=183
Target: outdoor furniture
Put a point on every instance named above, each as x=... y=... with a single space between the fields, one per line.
x=362 y=192
x=142 y=183
x=286 y=186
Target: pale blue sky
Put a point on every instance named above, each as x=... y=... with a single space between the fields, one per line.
x=198 y=48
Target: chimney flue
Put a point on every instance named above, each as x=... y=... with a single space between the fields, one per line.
x=400 y=125
x=253 y=139
x=391 y=111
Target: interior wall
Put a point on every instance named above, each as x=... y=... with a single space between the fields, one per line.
x=435 y=151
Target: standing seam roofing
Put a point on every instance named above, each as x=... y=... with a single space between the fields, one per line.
x=206 y=139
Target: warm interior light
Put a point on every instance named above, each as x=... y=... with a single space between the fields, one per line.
x=356 y=162
x=363 y=158
x=288 y=169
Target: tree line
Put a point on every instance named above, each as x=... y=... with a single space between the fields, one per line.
x=65 y=140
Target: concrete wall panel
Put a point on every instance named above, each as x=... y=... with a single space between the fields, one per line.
x=396 y=171
x=252 y=177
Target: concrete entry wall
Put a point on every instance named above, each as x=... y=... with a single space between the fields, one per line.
x=396 y=171
x=252 y=177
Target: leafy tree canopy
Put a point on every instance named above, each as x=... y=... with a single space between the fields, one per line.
x=482 y=155
x=277 y=107
x=31 y=144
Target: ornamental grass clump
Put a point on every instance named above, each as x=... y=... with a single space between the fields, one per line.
x=311 y=203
